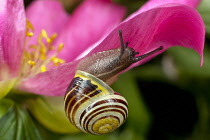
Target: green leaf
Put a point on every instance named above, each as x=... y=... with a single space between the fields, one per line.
x=18 y=125
x=188 y=62
x=5 y=105
x=49 y=111
x=150 y=72
x=204 y=10
x=7 y=126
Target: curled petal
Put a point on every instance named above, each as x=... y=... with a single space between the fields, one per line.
x=51 y=83
x=92 y=20
x=53 y=17
x=167 y=26
x=154 y=3
x=12 y=33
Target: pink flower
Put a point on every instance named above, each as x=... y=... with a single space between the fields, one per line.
x=93 y=27
x=12 y=36
x=19 y=51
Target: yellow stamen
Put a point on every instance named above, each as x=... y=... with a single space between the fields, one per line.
x=52 y=38
x=29 y=29
x=33 y=47
x=29 y=34
x=29 y=26
x=43 y=68
x=45 y=35
x=32 y=63
x=38 y=57
x=60 y=47
x=57 y=61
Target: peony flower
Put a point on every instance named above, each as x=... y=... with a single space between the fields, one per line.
x=27 y=50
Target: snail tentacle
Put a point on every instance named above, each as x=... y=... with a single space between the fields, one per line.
x=138 y=58
x=123 y=46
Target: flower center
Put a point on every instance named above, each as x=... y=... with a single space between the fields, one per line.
x=40 y=56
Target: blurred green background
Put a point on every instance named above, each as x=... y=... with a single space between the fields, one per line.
x=169 y=97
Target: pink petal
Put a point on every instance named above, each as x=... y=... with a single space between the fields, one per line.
x=12 y=32
x=161 y=26
x=46 y=14
x=154 y=3
x=91 y=21
x=167 y=26
x=52 y=83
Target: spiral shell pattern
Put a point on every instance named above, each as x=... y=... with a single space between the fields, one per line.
x=92 y=106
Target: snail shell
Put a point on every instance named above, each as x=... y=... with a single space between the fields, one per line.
x=92 y=105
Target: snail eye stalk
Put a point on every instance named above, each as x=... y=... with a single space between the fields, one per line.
x=138 y=58
x=123 y=45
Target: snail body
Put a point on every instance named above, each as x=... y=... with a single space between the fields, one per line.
x=90 y=104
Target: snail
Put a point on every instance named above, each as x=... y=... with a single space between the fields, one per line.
x=90 y=104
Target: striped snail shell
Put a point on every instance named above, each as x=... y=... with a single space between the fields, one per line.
x=90 y=104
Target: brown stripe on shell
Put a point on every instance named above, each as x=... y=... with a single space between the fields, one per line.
x=101 y=108
x=103 y=102
x=86 y=123
x=75 y=81
x=75 y=99
x=83 y=87
x=69 y=96
x=82 y=84
x=113 y=100
x=73 y=85
x=82 y=101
